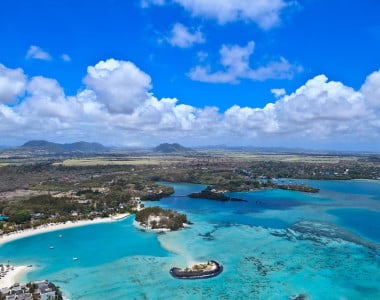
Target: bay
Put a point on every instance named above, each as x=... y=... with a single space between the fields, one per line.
x=261 y=259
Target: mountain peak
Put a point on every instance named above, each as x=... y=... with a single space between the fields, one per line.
x=171 y=148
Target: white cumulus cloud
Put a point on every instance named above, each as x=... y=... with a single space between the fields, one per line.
x=37 y=53
x=119 y=85
x=12 y=84
x=371 y=90
x=181 y=36
x=46 y=99
x=235 y=63
x=320 y=112
x=278 y=92
x=262 y=12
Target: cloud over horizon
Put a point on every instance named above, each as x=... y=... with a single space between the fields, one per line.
x=117 y=107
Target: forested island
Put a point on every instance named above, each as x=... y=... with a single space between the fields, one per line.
x=211 y=194
x=157 y=218
x=297 y=187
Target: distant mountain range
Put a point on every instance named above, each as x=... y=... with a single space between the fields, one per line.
x=45 y=147
x=42 y=147
x=171 y=148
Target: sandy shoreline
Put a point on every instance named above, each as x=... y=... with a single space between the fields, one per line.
x=12 y=276
x=6 y=238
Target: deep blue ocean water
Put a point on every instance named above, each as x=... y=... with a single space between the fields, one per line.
x=116 y=260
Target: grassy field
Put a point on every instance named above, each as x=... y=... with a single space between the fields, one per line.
x=139 y=160
x=214 y=155
x=307 y=158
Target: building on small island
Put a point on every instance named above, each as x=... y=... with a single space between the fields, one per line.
x=198 y=271
x=159 y=219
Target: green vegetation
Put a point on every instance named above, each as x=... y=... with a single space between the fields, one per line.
x=53 y=188
x=297 y=187
x=211 y=194
x=44 y=147
x=18 y=216
x=158 y=218
x=77 y=193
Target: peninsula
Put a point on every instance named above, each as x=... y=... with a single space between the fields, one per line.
x=211 y=193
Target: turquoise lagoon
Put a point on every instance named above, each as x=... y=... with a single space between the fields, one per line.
x=262 y=257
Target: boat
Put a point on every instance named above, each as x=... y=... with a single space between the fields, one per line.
x=75 y=258
x=51 y=247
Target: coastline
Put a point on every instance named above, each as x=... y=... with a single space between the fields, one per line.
x=13 y=275
x=57 y=226
x=139 y=226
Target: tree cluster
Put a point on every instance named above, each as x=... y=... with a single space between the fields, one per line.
x=168 y=218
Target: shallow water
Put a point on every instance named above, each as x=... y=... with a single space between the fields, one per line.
x=261 y=258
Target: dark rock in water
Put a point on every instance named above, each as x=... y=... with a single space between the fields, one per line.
x=298 y=297
x=207 y=236
x=322 y=233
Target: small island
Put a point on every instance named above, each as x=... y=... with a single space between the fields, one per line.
x=211 y=194
x=159 y=219
x=298 y=188
x=198 y=271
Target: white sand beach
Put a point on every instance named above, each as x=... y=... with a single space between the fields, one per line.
x=5 y=238
x=12 y=275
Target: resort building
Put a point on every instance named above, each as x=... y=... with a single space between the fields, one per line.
x=42 y=289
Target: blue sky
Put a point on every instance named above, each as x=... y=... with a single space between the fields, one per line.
x=200 y=72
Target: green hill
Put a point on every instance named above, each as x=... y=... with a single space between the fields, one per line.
x=171 y=148
x=41 y=147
